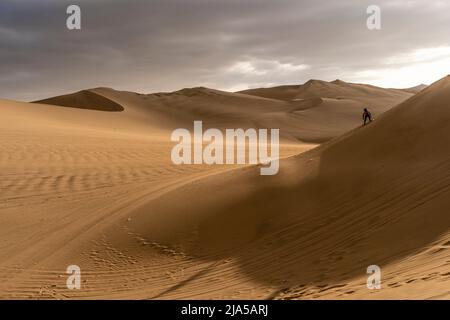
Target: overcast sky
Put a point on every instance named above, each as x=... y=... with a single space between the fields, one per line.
x=165 y=45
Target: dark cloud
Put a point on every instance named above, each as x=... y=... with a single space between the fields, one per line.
x=165 y=45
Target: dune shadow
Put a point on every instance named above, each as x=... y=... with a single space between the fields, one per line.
x=320 y=230
x=330 y=226
x=85 y=99
x=185 y=282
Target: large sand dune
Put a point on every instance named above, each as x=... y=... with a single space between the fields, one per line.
x=378 y=195
x=97 y=189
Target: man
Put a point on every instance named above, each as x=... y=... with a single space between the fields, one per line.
x=367 y=116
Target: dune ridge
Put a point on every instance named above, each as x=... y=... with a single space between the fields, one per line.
x=324 y=89
x=85 y=99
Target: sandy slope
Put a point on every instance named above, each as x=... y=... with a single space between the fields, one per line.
x=66 y=175
x=378 y=195
x=98 y=189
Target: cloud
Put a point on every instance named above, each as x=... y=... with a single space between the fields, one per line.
x=424 y=65
x=163 y=45
x=256 y=73
x=422 y=55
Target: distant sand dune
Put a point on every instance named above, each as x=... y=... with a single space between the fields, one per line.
x=314 y=112
x=86 y=99
x=324 y=89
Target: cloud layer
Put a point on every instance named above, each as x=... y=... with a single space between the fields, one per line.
x=164 y=45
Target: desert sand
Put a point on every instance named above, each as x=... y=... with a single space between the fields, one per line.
x=87 y=180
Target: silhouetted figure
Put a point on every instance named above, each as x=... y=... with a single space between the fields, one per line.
x=367 y=116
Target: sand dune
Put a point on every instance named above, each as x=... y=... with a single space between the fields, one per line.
x=378 y=195
x=416 y=89
x=98 y=189
x=69 y=173
x=324 y=110
x=337 y=89
x=86 y=99
x=318 y=111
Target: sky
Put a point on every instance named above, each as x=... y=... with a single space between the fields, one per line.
x=165 y=45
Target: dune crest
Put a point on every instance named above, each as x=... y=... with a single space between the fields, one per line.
x=85 y=99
